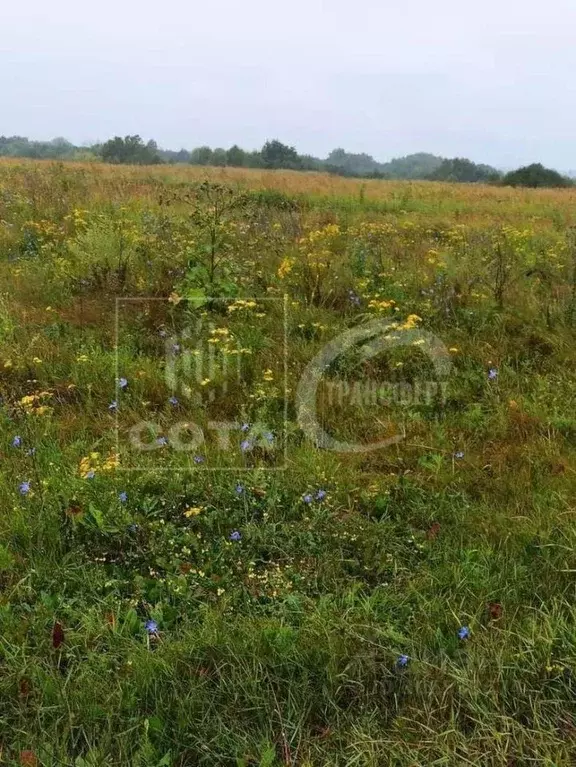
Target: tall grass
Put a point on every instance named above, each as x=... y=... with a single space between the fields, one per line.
x=329 y=631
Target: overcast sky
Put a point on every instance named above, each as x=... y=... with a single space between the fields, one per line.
x=490 y=80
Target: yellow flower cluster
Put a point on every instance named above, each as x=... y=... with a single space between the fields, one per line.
x=78 y=217
x=219 y=335
x=222 y=339
x=411 y=322
x=371 y=229
x=95 y=462
x=326 y=233
x=193 y=511
x=239 y=305
x=318 y=245
x=33 y=404
x=381 y=306
x=274 y=581
x=286 y=266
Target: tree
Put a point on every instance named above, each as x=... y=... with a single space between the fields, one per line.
x=219 y=157
x=350 y=164
x=275 y=154
x=536 y=175
x=130 y=150
x=202 y=155
x=412 y=166
x=235 y=156
x=463 y=170
x=253 y=159
x=179 y=157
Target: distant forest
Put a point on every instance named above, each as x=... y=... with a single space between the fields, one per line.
x=274 y=154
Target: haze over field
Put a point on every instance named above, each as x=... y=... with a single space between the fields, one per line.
x=487 y=82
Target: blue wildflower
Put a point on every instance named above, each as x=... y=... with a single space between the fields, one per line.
x=90 y=474
x=464 y=632
x=123 y=383
x=239 y=489
x=162 y=441
x=123 y=496
x=307 y=498
x=245 y=445
x=235 y=535
x=320 y=495
x=402 y=660
x=245 y=427
x=198 y=459
x=151 y=626
x=24 y=488
x=173 y=400
x=459 y=454
x=17 y=441
x=113 y=406
x=493 y=374
x=133 y=527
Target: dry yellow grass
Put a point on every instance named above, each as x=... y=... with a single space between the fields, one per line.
x=481 y=197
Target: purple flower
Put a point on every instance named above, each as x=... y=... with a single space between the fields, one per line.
x=464 y=632
x=493 y=374
x=123 y=496
x=235 y=535
x=245 y=445
x=307 y=498
x=173 y=400
x=320 y=495
x=113 y=406
x=459 y=454
x=239 y=489
x=24 y=488
x=123 y=383
x=90 y=474
x=245 y=427
x=17 y=441
x=151 y=626
x=402 y=660
x=162 y=441
x=198 y=459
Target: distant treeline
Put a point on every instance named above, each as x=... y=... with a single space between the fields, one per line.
x=274 y=154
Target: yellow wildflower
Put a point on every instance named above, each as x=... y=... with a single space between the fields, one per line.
x=192 y=511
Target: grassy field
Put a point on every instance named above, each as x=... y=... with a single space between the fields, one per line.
x=190 y=573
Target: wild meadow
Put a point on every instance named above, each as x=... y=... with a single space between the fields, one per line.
x=215 y=550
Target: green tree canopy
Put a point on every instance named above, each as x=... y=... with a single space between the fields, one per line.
x=275 y=154
x=463 y=170
x=235 y=156
x=130 y=150
x=536 y=175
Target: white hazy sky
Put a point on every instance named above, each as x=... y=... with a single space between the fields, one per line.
x=490 y=80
